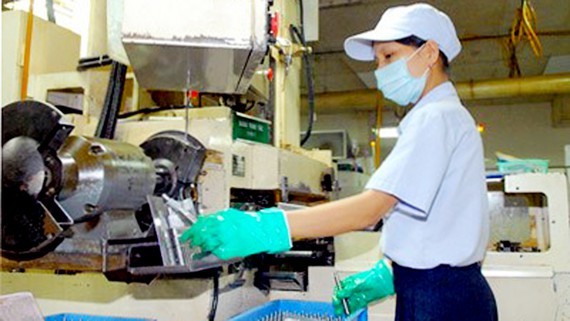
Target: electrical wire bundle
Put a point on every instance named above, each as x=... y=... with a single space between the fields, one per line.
x=523 y=27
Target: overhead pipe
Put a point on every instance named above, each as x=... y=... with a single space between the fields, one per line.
x=515 y=87
x=486 y=89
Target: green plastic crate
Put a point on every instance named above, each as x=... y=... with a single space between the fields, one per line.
x=523 y=166
x=251 y=128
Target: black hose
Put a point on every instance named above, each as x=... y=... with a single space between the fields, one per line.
x=149 y=110
x=108 y=119
x=215 y=295
x=310 y=85
x=310 y=99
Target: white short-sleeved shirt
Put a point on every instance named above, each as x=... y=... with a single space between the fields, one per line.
x=436 y=171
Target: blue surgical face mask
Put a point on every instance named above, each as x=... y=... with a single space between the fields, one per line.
x=397 y=84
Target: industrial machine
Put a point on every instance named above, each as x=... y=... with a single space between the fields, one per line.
x=116 y=206
x=81 y=203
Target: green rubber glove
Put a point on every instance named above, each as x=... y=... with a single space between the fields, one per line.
x=232 y=233
x=363 y=288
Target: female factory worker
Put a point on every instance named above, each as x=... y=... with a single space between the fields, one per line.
x=430 y=190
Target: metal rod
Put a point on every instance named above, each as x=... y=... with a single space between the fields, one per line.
x=344 y=301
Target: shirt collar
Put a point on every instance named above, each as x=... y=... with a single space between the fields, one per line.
x=442 y=91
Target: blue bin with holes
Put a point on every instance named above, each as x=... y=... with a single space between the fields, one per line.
x=281 y=310
x=84 y=317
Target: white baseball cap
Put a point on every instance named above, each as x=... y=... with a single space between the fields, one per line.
x=420 y=20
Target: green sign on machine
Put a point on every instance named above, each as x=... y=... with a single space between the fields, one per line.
x=251 y=128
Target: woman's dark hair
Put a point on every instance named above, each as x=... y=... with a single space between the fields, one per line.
x=418 y=42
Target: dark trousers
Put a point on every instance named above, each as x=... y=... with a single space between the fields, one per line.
x=443 y=293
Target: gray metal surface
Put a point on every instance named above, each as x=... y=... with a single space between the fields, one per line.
x=510 y=218
x=173 y=46
x=104 y=175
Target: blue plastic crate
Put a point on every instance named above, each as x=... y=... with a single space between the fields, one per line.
x=84 y=317
x=306 y=310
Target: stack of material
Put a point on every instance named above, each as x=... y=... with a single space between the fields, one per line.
x=19 y=307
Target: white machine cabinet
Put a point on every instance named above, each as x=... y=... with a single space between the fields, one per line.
x=528 y=286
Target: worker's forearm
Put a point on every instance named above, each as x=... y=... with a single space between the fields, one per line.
x=349 y=214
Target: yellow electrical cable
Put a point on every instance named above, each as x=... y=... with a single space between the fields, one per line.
x=523 y=25
x=529 y=16
x=516 y=31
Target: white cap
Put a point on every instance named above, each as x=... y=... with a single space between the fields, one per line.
x=420 y=20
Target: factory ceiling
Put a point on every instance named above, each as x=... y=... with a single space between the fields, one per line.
x=483 y=26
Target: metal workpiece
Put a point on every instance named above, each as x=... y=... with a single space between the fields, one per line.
x=185 y=209
x=104 y=175
x=216 y=49
x=169 y=222
x=170 y=249
x=345 y=306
